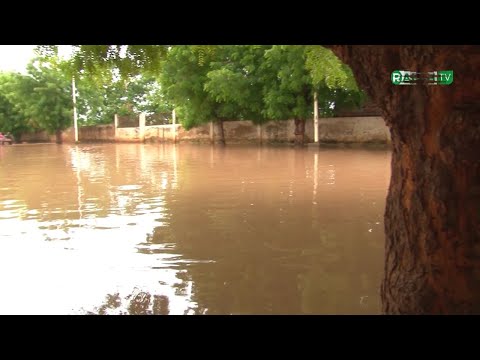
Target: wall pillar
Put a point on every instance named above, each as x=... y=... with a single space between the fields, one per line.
x=260 y=134
x=141 y=125
x=212 y=132
x=115 y=126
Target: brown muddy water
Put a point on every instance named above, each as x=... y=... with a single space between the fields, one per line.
x=191 y=229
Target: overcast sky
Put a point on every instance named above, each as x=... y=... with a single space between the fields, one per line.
x=16 y=57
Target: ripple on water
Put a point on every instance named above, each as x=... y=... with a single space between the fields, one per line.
x=129 y=187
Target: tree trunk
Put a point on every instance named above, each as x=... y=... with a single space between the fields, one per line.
x=58 y=136
x=220 y=132
x=432 y=229
x=299 y=132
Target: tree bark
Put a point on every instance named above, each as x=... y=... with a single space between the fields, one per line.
x=299 y=132
x=432 y=250
x=58 y=136
x=220 y=132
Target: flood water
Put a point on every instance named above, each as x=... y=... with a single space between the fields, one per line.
x=191 y=229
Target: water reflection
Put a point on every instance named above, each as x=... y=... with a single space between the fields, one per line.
x=169 y=229
x=136 y=303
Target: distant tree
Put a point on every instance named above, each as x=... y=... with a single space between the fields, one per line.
x=155 y=101
x=208 y=83
x=12 y=118
x=187 y=79
x=99 y=101
x=236 y=78
x=288 y=91
x=291 y=81
x=143 y=93
x=43 y=96
x=112 y=79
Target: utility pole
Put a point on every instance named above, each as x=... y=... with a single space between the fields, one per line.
x=74 y=96
x=315 y=116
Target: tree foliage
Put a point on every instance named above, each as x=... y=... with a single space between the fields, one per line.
x=43 y=96
x=288 y=90
x=129 y=60
x=290 y=81
x=12 y=118
x=235 y=78
x=324 y=66
x=99 y=102
x=186 y=82
x=205 y=83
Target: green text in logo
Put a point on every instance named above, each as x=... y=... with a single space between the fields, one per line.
x=403 y=77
